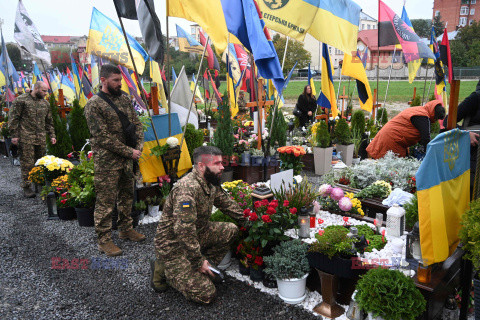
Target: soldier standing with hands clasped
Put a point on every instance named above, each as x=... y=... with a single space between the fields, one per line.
x=29 y=121
x=117 y=141
x=187 y=243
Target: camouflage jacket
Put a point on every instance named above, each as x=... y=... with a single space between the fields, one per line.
x=107 y=138
x=30 y=119
x=187 y=211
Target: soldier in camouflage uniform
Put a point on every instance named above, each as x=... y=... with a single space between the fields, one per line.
x=29 y=120
x=242 y=104
x=113 y=160
x=187 y=241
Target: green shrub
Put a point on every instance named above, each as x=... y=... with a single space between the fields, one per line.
x=322 y=136
x=434 y=130
x=432 y=97
x=411 y=212
x=289 y=260
x=416 y=102
x=389 y=294
x=334 y=241
x=278 y=135
x=342 y=132
x=64 y=144
x=193 y=138
x=470 y=233
x=78 y=127
x=382 y=116
x=358 y=122
x=219 y=216
x=223 y=136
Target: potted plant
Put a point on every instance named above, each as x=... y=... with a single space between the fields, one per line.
x=139 y=213
x=389 y=294
x=322 y=148
x=289 y=265
x=291 y=157
x=81 y=179
x=65 y=201
x=37 y=177
x=154 y=205
x=243 y=250
x=223 y=135
x=344 y=141
x=469 y=235
x=53 y=167
x=257 y=157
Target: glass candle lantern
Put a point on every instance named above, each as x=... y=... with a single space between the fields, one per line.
x=424 y=273
x=379 y=221
x=413 y=244
x=52 y=206
x=304 y=223
x=395 y=221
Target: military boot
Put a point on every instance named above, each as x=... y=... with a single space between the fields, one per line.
x=28 y=192
x=131 y=235
x=110 y=249
x=158 y=281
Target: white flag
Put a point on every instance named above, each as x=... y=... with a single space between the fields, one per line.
x=27 y=35
x=181 y=98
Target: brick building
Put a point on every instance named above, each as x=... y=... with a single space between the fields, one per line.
x=458 y=13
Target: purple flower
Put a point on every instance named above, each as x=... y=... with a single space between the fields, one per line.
x=345 y=204
x=325 y=189
x=336 y=194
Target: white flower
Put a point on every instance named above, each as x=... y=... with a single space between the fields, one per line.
x=172 y=142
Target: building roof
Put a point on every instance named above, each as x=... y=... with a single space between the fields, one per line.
x=364 y=16
x=57 y=39
x=370 y=38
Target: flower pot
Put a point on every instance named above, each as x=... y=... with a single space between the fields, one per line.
x=153 y=211
x=243 y=270
x=292 y=291
x=346 y=153
x=256 y=160
x=137 y=216
x=338 y=266
x=322 y=159
x=476 y=292
x=371 y=317
x=256 y=275
x=226 y=261
x=246 y=158
x=67 y=213
x=85 y=217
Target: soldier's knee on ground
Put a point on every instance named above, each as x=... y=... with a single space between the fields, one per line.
x=204 y=295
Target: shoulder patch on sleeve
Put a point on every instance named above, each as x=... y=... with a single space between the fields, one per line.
x=186 y=204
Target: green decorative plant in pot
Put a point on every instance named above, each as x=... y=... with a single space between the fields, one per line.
x=289 y=265
x=322 y=148
x=343 y=139
x=470 y=236
x=390 y=295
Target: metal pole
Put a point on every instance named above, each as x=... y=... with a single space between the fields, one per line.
x=425 y=84
x=378 y=56
x=194 y=90
x=168 y=75
x=7 y=80
x=285 y=53
x=135 y=69
x=389 y=77
x=430 y=85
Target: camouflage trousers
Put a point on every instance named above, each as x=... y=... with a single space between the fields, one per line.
x=112 y=187
x=215 y=241
x=29 y=154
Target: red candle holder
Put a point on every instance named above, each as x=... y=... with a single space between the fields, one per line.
x=312 y=222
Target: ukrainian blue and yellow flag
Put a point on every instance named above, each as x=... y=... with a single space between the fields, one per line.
x=151 y=167
x=187 y=43
x=95 y=71
x=37 y=75
x=310 y=81
x=68 y=89
x=413 y=66
x=174 y=76
x=327 y=98
x=353 y=67
x=106 y=40
x=334 y=22
x=443 y=189
x=77 y=83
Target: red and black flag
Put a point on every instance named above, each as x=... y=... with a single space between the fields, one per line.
x=211 y=57
x=445 y=55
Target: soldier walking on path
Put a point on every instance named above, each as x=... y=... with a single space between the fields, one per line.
x=117 y=141
x=187 y=243
x=29 y=121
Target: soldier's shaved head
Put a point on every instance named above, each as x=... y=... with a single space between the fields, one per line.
x=40 y=90
x=202 y=154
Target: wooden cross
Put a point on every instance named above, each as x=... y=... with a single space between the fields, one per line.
x=261 y=111
x=61 y=105
x=375 y=104
x=453 y=105
x=414 y=95
x=343 y=97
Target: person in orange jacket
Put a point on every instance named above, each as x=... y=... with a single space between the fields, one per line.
x=409 y=127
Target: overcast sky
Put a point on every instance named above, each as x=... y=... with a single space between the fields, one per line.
x=72 y=17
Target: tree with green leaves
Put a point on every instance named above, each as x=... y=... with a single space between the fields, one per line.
x=295 y=52
x=64 y=144
x=278 y=134
x=438 y=25
x=466 y=46
x=77 y=127
x=422 y=27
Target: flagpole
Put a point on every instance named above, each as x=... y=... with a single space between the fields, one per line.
x=378 y=57
x=425 y=84
x=389 y=77
x=430 y=85
x=194 y=90
x=136 y=72
x=5 y=56
x=168 y=75
x=285 y=52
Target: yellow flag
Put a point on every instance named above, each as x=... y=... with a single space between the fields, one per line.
x=413 y=67
x=232 y=94
x=353 y=67
x=157 y=78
